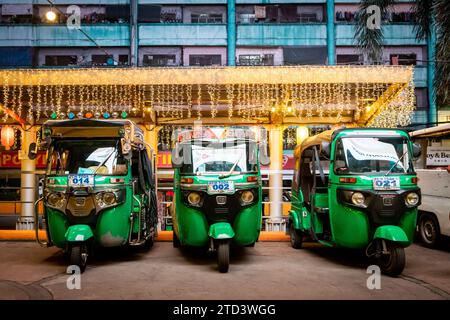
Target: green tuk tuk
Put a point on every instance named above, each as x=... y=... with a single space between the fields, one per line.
x=99 y=187
x=357 y=188
x=217 y=184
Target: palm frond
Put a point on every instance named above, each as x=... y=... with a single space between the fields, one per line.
x=442 y=76
x=423 y=10
x=370 y=41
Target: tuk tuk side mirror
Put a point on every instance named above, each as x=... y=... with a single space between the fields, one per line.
x=416 y=150
x=325 y=149
x=177 y=158
x=32 y=151
x=264 y=158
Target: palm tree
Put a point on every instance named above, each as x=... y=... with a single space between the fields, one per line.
x=430 y=14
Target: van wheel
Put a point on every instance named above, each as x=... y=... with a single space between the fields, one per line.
x=429 y=230
x=175 y=240
x=392 y=263
x=223 y=255
x=296 y=237
x=79 y=255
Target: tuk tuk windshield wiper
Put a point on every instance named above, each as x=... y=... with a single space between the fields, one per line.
x=106 y=159
x=395 y=164
x=229 y=173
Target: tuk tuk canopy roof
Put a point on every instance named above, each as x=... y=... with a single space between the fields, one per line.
x=358 y=95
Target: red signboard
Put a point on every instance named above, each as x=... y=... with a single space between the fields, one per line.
x=10 y=159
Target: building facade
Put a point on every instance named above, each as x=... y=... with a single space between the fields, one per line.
x=158 y=33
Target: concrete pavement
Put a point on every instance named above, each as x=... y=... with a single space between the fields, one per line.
x=270 y=270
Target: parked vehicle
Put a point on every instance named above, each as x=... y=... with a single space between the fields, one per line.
x=217 y=183
x=356 y=188
x=99 y=188
x=434 y=179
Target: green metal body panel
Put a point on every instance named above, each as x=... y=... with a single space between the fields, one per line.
x=221 y=230
x=350 y=227
x=78 y=233
x=192 y=228
x=392 y=233
x=113 y=224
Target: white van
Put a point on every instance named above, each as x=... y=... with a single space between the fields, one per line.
x=433 y=222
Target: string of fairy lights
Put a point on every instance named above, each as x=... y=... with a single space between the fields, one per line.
x=247 y=100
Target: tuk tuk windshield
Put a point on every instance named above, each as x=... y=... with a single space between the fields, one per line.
x=372 y=155
x=102 y=157
x=221 y=157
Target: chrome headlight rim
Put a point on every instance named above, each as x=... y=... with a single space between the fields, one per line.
x=101 y=203
x=246 y=202
x=190 y=201
x=358 y=199
x=413 y=203
x=59 y=203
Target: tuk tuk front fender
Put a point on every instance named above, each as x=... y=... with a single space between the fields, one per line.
x=392 y=233
x=78 y=233
x=221 y=230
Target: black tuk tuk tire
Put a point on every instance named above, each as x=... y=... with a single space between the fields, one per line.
x=175 y=240
x=223 y=255
x=396 y=261
x=434 y=225
x=76 y=256
x=296 y=237
x=149 y=242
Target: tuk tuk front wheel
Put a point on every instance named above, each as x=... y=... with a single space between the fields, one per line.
x=393 y=261
x=79 y=255
x=223 y=255
x=296 y=237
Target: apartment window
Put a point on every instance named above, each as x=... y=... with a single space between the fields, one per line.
x=60 y=60
x=403 y=59
x=421 y=98
x=205 y=60
x=305 y=55
x=102 y=60
x=256 y=60
x=308 y=17
x=159 y=60
x=349 y=59
x=123 y=59
x=206 y=18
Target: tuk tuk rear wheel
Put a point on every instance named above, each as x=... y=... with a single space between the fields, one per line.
x=79 y=255
x=296 y=237
x=175 y=240
x=223 y=255
x=392 y=263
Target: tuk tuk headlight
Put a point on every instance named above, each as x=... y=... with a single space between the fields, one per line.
x=358 y=199
x=194 y=198
x=412 y=199
x=56 y=200
x=109 y=198
x=247 y=197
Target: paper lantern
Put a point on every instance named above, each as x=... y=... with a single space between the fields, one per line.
x=7 y=137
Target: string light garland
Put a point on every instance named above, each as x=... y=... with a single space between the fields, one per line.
x=302 y=93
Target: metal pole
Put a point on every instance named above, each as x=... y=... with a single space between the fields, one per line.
x=231 y=32
x=134 y=40
x=431 y=48
x=275 y=222
x=27 y=182
x=331 y=45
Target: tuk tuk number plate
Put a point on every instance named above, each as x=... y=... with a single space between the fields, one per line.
x=386 y=183
x=220 y=187
x=81 y=180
